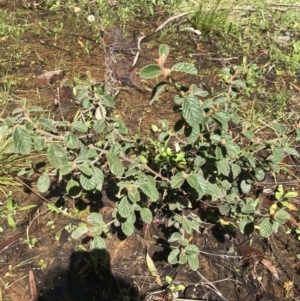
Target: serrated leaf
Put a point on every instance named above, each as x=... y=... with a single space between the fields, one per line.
x=192 y=249
x=184 y=67
x=22 y=141
x=193 y=261
x=71 y=141
x=175 y=237
x=233 y=149
x=223 y=167
x=163 y=50
x=224 y=209
x=57 y=156
x=223 y=118
x=128 y=227
x=85 y=168
x=146 y=215
x=149 y=189
x=236 y=170
x=99 y=126
x=280 y=128
x=150 y=71
x=240 y=84
x=79 y=231
x=194 y=134
x=266 y=228
x=124 y=207
x=115 y=164
x=66 y=170
x=157 y=90
x=173 y=256
x=281 y=216
x=177 y=180
x=95 y=219
x=39 y=143
x=291 y=151
x=92 y=182
x=43 y=183
x=248 y=209
x=134 y=195
x=48 y=123
x=79 y=126
x=182 y=258
x=202 y=189
x=198 y=91
x=108 y=101
x=98 y=243
x=278 y=154
x=191 y=110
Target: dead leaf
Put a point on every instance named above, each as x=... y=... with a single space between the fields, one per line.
x=295 y=86
x=153 y=269
x=48 y=77
x=32 y=285
x=270 y=267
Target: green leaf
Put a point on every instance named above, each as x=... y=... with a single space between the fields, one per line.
x=223 y=118
x=48 y=123
x=224 y=209
x=22 y=141
x=71 y=141
x=128 y=227
x=280 y=128
x=99 y=126
x=157 y=90
x=134 y=194
x=163 y=50
x=32 y=109
x=79 y=231
x=79 y=126
x=73 y=189
x=150 y=71
x=115 y=165
x=146 y=215
x=240 y=84
x=236 y=170
x=85 y=168
x=194 y=135
x=278 y=154
x=266 y=228
x=259 y=174
x=108 y=101
x=124 y=207
x=245 y=187
x=11 y=222
x=149 y=189
x=173 y=256
x=175 y=237
x=291 y=151
x=184 y=67
x=39 y=143
x=192 y=249
x=66 y=170
x=191 y=110
x=248 y=209
x=182 y=258
x=92 y=182
x=177 y=180
x=98 y=243
x=281 y=216
x=233 y=149
x=193 y=261
x=198 y=91
x=57 y=156
x=43 y=183
x=95 y=219
x=223 y=167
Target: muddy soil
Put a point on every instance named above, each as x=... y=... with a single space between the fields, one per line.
x=64 y=269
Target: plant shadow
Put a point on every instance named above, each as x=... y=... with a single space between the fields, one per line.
x=88 y=277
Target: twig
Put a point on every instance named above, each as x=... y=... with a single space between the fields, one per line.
x=169 y=20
